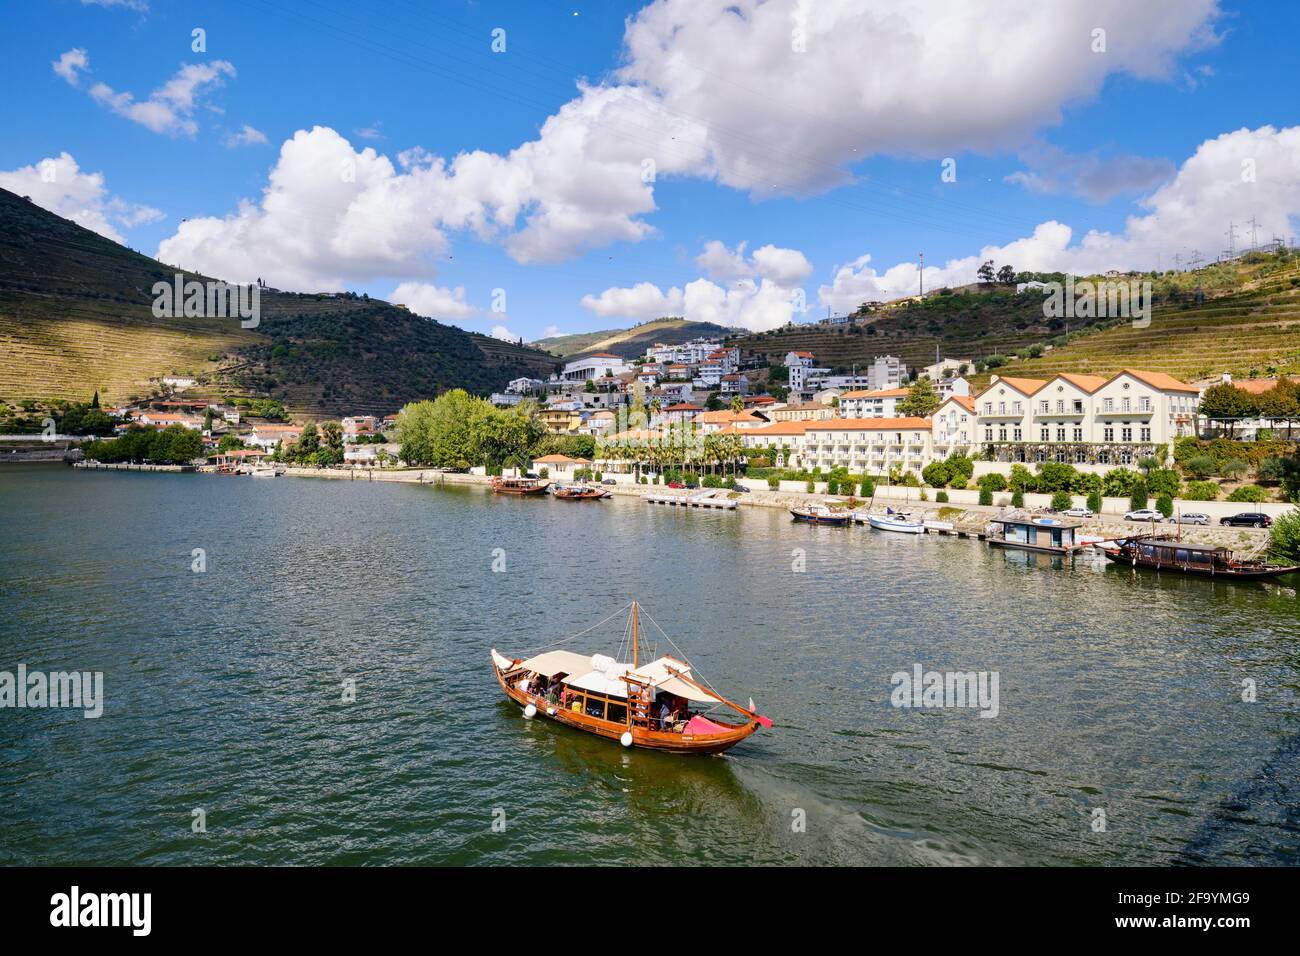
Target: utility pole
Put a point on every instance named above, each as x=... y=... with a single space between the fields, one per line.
x=921 y=273
x=1196 y=259
x=1254 y=227
x=1232 y=240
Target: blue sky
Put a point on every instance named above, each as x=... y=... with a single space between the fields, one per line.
x=1045 y=137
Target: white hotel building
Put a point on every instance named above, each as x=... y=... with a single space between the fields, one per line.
x=862 y=445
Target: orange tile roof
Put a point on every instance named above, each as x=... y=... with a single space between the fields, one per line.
x=1089 y=383
x=965 y=401
x=779 y=428
x=726 y=416
x=560 y=460
x=1166 y=383
x=1256 y=386
x=1026 y=386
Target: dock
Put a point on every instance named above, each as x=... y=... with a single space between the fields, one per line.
x=707 y=499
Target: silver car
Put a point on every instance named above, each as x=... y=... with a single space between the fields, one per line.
x=1191 y=517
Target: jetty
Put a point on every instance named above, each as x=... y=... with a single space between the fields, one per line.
x=705 y=499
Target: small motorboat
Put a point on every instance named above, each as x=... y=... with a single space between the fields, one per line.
x=896 y=521
x=579 y=492
x=264 y=471
x=655 y=705
x=820 y=514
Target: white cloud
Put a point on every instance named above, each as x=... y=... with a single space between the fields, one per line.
x=1093 y=176
x=140 y=6
x=551 y=331
x=433 y=301
x=501 y=332
x=1229 y=179
x=641 y=302
x=168 y=109
x=762 y=290
x=248 y=136
x=70 y=64
x=59 y=185
x=898 y=77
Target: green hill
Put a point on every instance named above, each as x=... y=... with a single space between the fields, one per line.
x=632 y=343
x=76 y=317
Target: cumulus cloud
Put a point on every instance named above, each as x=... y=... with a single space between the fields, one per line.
x=1093 y=176
x=762 y=290
x=714 y=92
x=71 y=64
x=248 y=136
x=168 y=109
x=59 y=185
x=141 y=6
x=432 y=301
x=503 y=333
x=1229 y=179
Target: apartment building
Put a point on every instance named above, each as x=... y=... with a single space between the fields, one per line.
x=878 y=403
x=862 y=445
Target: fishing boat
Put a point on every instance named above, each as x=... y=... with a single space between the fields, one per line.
x=898 y=521
x=579 y=492
x=820 y=514
x=519 y=486
x=1170 y=554
x=653 y=705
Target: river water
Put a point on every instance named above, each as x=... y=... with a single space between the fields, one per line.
x=1121 y=735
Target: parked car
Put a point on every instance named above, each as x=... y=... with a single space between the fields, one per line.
x=1191 y=517
x=676 y=484
x=609 y=481
x=1144 y=514
x=1077 y=512
x=740 y=488
x=1247 y=519
x=692 y=485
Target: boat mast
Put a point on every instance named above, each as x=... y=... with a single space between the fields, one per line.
x=634 y=660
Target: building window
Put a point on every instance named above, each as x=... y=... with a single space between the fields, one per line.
x=1126 y=434
x=1108 y=404
x=1144 y=403
x=988 y=434
x=1015 y=434
x=1078 y=434
x=1146 y=434
x=1045 y=434
x=1002 y=408
x=1108 y=434
x=1078 y=406
x=1042 y=407
x=988 y=408
x=1002 y=434
x=1060 y=406
x=1060 y=434
x=1126 y=404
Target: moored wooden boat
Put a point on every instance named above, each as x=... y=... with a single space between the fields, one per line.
x=820 y=514
x=579 y=492
x=519 y=486
x=647 y=705
x=1183 y=557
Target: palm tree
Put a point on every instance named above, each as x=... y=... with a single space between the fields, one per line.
x=737 y=404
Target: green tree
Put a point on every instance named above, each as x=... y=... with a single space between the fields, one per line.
x=1227 y=403
x=1199 y=466
x=308 y=443
x=1137 y=499
x=1094 y=501
x=1284 y=537
x=921 y=400
x=1165 y=505
x=1062 y=501
x=331 y=434
x=1281 y=403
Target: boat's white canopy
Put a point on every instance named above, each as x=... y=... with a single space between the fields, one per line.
x=657 y=673
x=550 y=663
x=601 y=682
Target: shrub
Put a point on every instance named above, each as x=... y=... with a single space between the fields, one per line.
x=1202 y=466
x=773 y=482
x=941 y=497
x=1201 y=491
x=1022 y=478
x=1061 y=500
x=1137 y=500
x=1234 y=468
x=1094 y=501
x=832 y=485
x=1165 y=505
x=868 y=487
x=811 y=487
x=546 y=473
x=1163 y=481
x=1284 y=538
x=1251 y=493
x=936 y=474
x=1056 y=476
x=1119 y=482
x=986 y=496
x=992 y=482
x=1017 y=499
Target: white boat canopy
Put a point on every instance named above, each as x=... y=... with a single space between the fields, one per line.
x=656 y=672
x=551 y=663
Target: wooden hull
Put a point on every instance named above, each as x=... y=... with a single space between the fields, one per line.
x=645 y=739
x=507 y=490
x=1231 y=574
x=581 y=495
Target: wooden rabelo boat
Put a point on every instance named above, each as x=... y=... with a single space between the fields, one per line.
x=1170 y=554
x=820 y=514
x=653 y=705
x=520 y=486
x=579 y=492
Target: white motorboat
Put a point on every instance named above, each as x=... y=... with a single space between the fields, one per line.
x=896 y=521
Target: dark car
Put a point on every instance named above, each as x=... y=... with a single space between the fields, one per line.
x=1247 y=519
x=742 y=489
x=609 y=481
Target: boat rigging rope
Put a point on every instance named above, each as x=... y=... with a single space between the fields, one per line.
x=574 y=637
x=686 y=660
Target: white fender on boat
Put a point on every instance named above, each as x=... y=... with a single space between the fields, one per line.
x=626 y=739
x=530 y=711
x=550 y=711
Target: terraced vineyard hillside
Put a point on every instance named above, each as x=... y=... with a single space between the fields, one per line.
x=76 y=317
x=1253 y=333
x=631 y=343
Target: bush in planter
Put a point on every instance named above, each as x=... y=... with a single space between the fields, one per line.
x=1017 y=499
x=868 y=487
x=1201 y=491
x=599 y=476
x=1251 y=493
x=992 y=482
x=811 y=487
x=1094 y=501
x=1165 y=505
x=925 y=495
x=986 y=496
x=1061 y=501
x=941 y=498
x=774 y=483
x=832 y=485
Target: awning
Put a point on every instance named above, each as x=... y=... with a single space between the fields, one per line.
x=601 y=682
x=657 y=674
x=551 y=663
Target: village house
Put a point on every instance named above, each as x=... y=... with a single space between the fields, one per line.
x=597 y=365
x=267 y=436
x=881 y=403
x=735 y=383
x=560 y=466
x=807 y=412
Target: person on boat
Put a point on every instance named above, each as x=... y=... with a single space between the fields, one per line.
x=665 y=715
